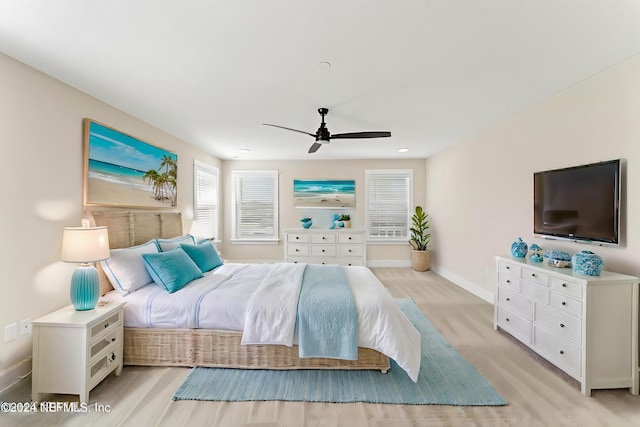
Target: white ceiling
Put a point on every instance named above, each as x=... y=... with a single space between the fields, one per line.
x=211 y=72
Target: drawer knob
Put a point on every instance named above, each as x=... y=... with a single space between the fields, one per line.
x=349 y=250
x=508 y=299
x=533 y=274
x=507 y=319
x=324 y=238
x=323 y=250
x=106 y=325
x=507 y=267
x=297 y=250
x=564 y=303
x=113 y=339
x=564 y=285
x=508 y=281
x=562 y=325
x=349 y=238
x=112 y=357
x=561 y=351
x=297 y=237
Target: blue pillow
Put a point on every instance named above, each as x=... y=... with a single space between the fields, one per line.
x=172 y=269
x=204 y=255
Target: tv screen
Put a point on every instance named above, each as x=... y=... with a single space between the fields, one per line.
x=578 y=203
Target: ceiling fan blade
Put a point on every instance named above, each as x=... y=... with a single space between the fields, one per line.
x=314 y=147
x=361 y=135
x=294 y=130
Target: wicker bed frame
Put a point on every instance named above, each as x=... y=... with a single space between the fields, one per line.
x=202 y=347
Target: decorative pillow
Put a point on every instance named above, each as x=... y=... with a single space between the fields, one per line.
x=125 y=268
x=205 y=255
x=172 y=269
x=168 y=244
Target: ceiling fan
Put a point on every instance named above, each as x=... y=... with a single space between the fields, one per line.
x=323 y=136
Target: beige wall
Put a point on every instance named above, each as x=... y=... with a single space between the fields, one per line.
x=41 y=175
x=480 y=192
x=289 y=216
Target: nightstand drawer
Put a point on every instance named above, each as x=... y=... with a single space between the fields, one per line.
x=108 y=342
x=103 y=366
x=107 y=325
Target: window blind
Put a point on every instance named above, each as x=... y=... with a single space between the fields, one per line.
x=388 y=204
x=255 y=205
x=206 y=204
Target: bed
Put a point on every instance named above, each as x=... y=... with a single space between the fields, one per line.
x=166 y=341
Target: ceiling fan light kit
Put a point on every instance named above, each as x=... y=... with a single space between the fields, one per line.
x=323 y=136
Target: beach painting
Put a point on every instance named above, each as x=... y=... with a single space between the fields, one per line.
x=324 y=193
x=121 y=170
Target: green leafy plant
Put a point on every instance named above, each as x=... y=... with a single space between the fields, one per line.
x=344 y=217
x=420 y=236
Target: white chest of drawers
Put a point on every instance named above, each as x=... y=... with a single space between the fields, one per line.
x=342 y=246
x=587 y=326
x=74 y=350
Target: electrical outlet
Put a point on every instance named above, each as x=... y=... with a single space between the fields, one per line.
x=25 y=326
x=10 y=332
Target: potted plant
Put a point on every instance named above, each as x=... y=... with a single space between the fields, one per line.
x=420 y=240
x=346 y=219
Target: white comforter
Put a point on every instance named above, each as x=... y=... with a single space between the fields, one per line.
x=219 y=301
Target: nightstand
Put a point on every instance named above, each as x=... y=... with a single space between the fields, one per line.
x=74 y=350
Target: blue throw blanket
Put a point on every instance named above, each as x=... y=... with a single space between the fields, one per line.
x=327 y=319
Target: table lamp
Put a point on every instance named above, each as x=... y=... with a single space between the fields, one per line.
x=85 y=245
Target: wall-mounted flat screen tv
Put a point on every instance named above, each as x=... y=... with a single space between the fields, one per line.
x=580 y=203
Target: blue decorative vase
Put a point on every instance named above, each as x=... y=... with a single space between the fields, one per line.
x=85 y=287
x=519 y=248
x=587 y=263
x=306 y=222
x=558 y=258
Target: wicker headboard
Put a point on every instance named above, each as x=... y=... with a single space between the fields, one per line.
x=130 y=228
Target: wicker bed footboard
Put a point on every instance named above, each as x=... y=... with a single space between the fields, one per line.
x=216 y=348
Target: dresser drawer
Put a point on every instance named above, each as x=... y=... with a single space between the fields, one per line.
x=350 y=250
x=297 y=238
x=517 y=326
x=565 y=304
x=515 y=303
x=103 y=366
x=566 y=287
x=323 y=238
x=298 y=250
x=350 y=261
x=323 y=250
x=535 y=276
x=509 y=282
x=559 y=352
x=106 y=326
x=535 y=292
x=506 y=268
x=350 y=238
x=561 y=324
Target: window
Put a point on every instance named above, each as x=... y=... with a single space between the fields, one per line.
x=388 y=204
x=206 y=179
x=255 y=206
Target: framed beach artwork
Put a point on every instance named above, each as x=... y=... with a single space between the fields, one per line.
x=324 y=193
x=121 y=170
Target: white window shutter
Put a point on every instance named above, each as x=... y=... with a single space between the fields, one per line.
x=206 y=200
x=388 y=204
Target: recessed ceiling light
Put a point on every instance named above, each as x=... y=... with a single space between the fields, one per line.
x=402 y=150
x=245 y=150
x=325 y=65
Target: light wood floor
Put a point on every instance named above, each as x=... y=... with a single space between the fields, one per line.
x=538 y=393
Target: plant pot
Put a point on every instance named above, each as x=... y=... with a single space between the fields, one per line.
x=347 y=224
x=420 y=260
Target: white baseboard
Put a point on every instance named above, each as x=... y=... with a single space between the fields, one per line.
x=465 y=284
x=12 y=375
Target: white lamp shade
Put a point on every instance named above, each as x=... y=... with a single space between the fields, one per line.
x=80 y=244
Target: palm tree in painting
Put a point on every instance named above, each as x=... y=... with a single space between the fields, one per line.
x=164 y=184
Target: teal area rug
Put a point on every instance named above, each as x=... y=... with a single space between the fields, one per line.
x=445 y=378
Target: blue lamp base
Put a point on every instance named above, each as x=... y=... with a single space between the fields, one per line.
x=85 y=287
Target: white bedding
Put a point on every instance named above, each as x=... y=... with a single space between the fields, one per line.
x=219 y=301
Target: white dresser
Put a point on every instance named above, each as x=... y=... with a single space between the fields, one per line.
x=587 y=326
x=345 y=246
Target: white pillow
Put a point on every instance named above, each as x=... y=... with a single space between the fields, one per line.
x=126 y=270
x=168 y=244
